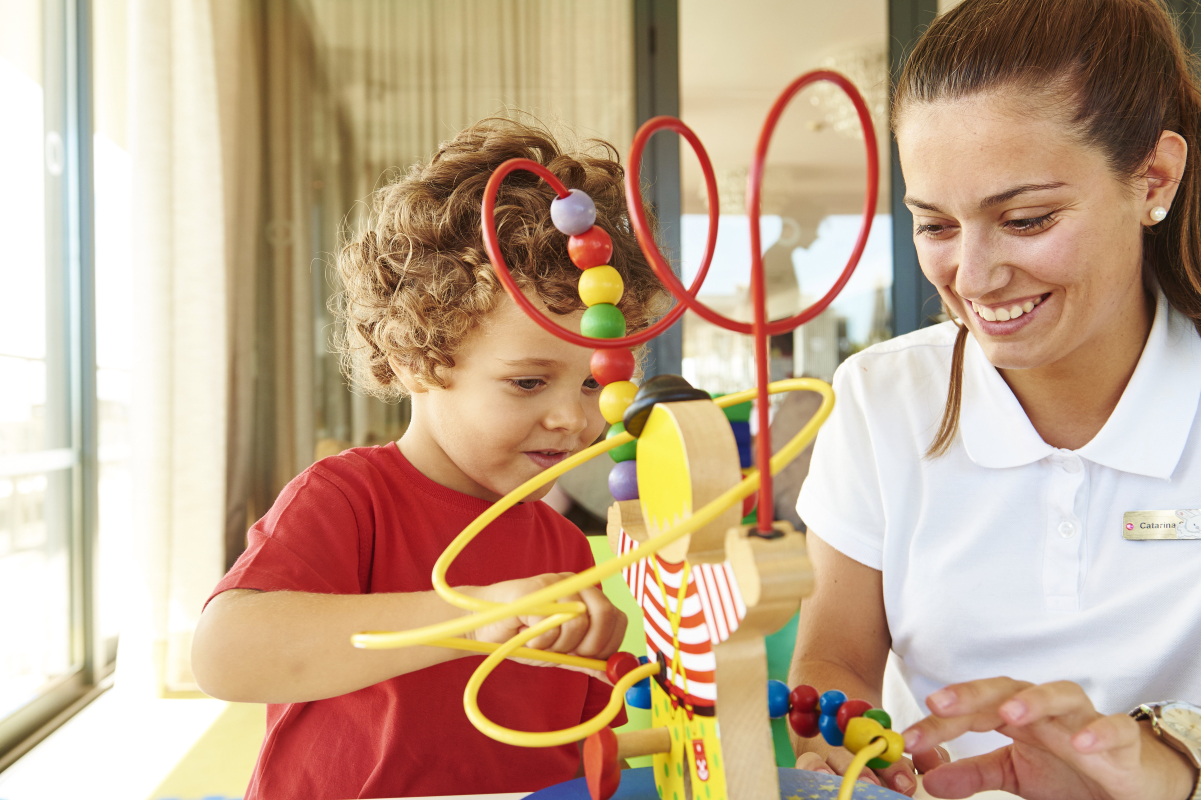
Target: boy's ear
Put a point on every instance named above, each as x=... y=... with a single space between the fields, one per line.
x=406 y=377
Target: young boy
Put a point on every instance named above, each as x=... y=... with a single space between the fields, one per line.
x=350 y=543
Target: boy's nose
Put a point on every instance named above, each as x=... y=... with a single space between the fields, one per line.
x=567 y=414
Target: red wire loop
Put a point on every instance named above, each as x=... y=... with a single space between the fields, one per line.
x=760 y=328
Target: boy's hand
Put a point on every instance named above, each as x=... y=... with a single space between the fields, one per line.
x=596 y=633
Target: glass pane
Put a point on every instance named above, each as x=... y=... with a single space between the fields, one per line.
x=114 y=306
x=35 y=433
x=813 y=184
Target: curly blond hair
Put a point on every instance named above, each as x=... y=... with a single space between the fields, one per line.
x=415 y=279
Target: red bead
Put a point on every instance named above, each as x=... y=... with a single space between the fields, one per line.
x=592 y=248
x=749 y=503
x=612 y=364
x=619 y=664
x=849 y=709
x=804 y=723
x=803 y=698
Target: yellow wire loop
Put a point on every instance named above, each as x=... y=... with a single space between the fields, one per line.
x=858 y=763
x=544 y=601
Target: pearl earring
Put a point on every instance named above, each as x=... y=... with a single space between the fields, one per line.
x=1159 y=213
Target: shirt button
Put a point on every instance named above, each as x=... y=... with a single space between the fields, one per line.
x=1067 y=529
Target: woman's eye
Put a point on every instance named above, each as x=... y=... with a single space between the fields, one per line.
x=1031 y=224
x=591 y=384
x=931 y=231
x=527 y=384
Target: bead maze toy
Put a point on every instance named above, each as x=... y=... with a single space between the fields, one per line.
x=709 y=586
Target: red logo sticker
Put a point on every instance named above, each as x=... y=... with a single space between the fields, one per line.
x=702 y=763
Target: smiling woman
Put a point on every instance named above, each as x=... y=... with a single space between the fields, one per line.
x=1049 y=151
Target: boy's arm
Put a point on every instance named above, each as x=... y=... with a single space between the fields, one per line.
x=290 y=647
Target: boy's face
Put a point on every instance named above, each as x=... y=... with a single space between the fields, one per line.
x=517 y=401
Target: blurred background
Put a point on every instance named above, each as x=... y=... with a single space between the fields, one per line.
x=175 y=176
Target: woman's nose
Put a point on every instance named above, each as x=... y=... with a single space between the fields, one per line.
x=981 y=269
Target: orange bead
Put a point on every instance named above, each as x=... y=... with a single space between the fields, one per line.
x=612 y=364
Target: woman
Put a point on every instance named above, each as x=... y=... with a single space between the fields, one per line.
x=1050 y=156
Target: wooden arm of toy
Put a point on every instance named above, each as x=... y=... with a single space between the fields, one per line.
x=605 y=750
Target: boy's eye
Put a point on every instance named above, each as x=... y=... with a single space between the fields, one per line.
x=527 y=384
x=591 y=383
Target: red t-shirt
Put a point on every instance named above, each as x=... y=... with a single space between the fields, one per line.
x=368 y=521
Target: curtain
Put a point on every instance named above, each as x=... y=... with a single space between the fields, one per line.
x=180 y=373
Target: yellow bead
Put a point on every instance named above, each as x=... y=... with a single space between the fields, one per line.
x=896 y=747
x=601 y=285
x=614 y=400
x=860 y=733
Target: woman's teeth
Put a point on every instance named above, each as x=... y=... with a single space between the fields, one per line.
x=1005 y=313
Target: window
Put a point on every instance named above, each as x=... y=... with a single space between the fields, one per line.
x=48 y=659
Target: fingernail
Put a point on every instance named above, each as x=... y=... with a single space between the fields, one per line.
x=1084 y=740
x=912 y=737
x=1014 y=710
x=942 y=700
x=903 y=783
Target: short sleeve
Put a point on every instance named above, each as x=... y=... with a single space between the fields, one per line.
x=840 y=499
x=310 y=541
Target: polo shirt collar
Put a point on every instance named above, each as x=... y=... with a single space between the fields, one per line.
x=1146 y=433
x=1148 y=430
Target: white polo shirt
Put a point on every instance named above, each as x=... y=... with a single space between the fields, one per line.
x=1006 y=556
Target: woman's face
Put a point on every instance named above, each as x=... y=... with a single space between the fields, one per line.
x=1026 y=233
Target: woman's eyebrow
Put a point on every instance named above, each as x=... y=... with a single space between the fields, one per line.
x=992 y=200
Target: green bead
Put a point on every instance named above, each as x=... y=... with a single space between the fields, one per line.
x=881 y=716
x=603 y=321
x=627 y=451
x=878 y=763
x=738 y=413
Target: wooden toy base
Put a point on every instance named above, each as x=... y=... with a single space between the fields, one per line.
x=639 y=784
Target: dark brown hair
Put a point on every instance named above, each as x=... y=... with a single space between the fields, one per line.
x=1118 y=73
x=416 y=278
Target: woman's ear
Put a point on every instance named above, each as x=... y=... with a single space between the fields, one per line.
x=1164 y=173
x=407 y=379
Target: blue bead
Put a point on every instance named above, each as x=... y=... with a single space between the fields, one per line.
x=643 y=660
x=639 y=695
x=742 y=432
x=746 y=455
x=623 y=481
x=828 y=725
x=573 y=214
x=829 y=702
x=777 y=699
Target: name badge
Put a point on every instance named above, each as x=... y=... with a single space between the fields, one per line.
x=1184 y=523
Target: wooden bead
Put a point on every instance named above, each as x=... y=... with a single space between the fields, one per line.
x=879 y=715
x=639 y=695
x=601 y=285
x=849 y=709
x=860 y=733
x=623 y=481
x=573 y=214
x=777 y=699
x=830 y=701
x=804 y=723
x=602 y=770
x=625 y=452
x=828 y=725
x=619 y=665
x=612 y=364
x=591 y=248
x=803 y=698
x=603 y=321
x=615 y=399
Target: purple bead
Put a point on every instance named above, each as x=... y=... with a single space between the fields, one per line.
x=623 y=481
x=574 y=214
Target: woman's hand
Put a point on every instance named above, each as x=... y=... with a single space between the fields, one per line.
x=1062 y=749
x=821 y=757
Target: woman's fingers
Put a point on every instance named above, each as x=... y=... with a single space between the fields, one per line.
x=968 y=776
x=899 y=777
x=1107 y=733
x=1060 y=700
x=814 y=763
x=960 y=708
